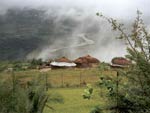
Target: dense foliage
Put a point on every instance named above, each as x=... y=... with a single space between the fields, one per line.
x=133 y=96
x=15 y=98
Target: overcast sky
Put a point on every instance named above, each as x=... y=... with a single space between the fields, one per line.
x=110 y=7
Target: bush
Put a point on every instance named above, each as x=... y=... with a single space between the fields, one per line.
x=96 y=109
x=14 y=99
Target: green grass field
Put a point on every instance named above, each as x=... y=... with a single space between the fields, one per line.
x=68 y=84
x=73 y=101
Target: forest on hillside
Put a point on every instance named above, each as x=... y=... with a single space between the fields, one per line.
x=24 y=30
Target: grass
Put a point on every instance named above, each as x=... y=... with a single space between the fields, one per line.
x=73 y=101
x=60 y=77
x=70 y=79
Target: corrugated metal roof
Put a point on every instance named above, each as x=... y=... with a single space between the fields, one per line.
x=61 y=64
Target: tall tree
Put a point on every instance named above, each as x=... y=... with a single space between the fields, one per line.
x=136 y=98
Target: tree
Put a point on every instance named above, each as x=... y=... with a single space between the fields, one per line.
x=15 y=99
x=138 y=47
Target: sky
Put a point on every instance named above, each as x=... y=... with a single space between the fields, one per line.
x=107 y=6
x=84 y=11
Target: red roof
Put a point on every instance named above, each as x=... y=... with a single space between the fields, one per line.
x=120 y=61
x=63 y=59
x=86 y=59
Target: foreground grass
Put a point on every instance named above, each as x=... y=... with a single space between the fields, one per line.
x=73 y=101
x=72 y=96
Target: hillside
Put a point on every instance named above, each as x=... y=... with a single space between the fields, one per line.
x=24 y=30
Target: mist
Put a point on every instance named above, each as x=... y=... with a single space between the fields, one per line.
x=77 y=30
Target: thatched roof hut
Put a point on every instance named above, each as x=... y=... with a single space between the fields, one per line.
x=120 y=62
x=86 y=61
x=63 y=59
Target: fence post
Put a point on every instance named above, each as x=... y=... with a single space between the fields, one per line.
x=13 y=80
x=80 y=78
x=46 y=82
x=62 y=80
x=117 y=85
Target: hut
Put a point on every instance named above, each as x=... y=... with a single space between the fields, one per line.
x=62 y=63
x=86 y=62
x=120 y=62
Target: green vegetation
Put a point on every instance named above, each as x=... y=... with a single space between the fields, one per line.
x=88 y=92
x=14 y=99
x=73 y=101
x=66 y=99
x=132 y=96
